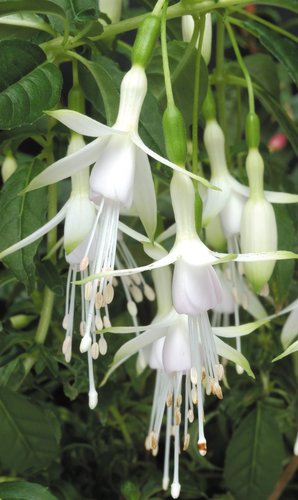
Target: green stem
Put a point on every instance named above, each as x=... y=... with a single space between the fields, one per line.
x=177 y=10
x=165 y=59
x=251 y=99
x=183 y=62
x=119 y=420
x=219 y=71
x=158 y=7
x=195 y=115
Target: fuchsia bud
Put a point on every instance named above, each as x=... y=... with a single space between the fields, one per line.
x=277 y=142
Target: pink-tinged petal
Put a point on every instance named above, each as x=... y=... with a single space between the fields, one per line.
x=80 y=123
x=176 y=351
x=113 y=174
x=68 y=166
x=195 y=288
x=144 y=198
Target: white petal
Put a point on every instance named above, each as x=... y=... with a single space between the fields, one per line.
x=68 y=166
x=231 y=354
x=133 y=346
x=138 y=142
x=195 y=288
x=271 y=196
x=155 y=359
x=113 y=173
x=36 y=234
x=144 y=198
x=79 y=220
x=231 y=214
x=290 y=350
x=80 y=123
x=176 y=351
x=215 y=200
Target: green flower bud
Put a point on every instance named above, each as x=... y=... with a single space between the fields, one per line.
x=145 y=40
x=175 y=135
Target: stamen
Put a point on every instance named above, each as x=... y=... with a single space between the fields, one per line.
x=102 y=345
x=136 y=293
x=95 y=350
x=106 y=322
x=132 y=308
x=202 y=447
x=149 y=292
x=108 y=293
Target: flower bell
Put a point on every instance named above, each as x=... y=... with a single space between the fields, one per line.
x=187 y=32
x=258 y=223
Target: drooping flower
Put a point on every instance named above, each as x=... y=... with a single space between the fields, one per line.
x=228 y=203
x=187 y=32
x=258 y=231
x=185 y=357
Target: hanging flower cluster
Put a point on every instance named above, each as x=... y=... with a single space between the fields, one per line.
x=201 y=298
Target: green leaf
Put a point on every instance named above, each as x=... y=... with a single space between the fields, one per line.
x=27 y=434
x=28 y=84
x=263 y=70
x=12 y=374
x=151 y=125
x=254 y=456
x=20 y=216
x=23 y=490
x=45 y=7
x=282 y=48
x=107 y=87
x=130 y=491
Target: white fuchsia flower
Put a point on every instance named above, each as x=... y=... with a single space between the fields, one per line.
x=228 y=203
x=258 y=231
x=182 y=356
x=187 y=32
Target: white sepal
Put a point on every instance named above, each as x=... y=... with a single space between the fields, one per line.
x=290 y=328
x=144 y=198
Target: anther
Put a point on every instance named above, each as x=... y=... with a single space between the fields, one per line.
x=102 y=345
x=186 y=442
x=106 y=322
x=108 y=293
x=149 y=292
x=202 y=447
x=132 y=308
x=94 y=350
x=84 y=263
x=65 y=321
